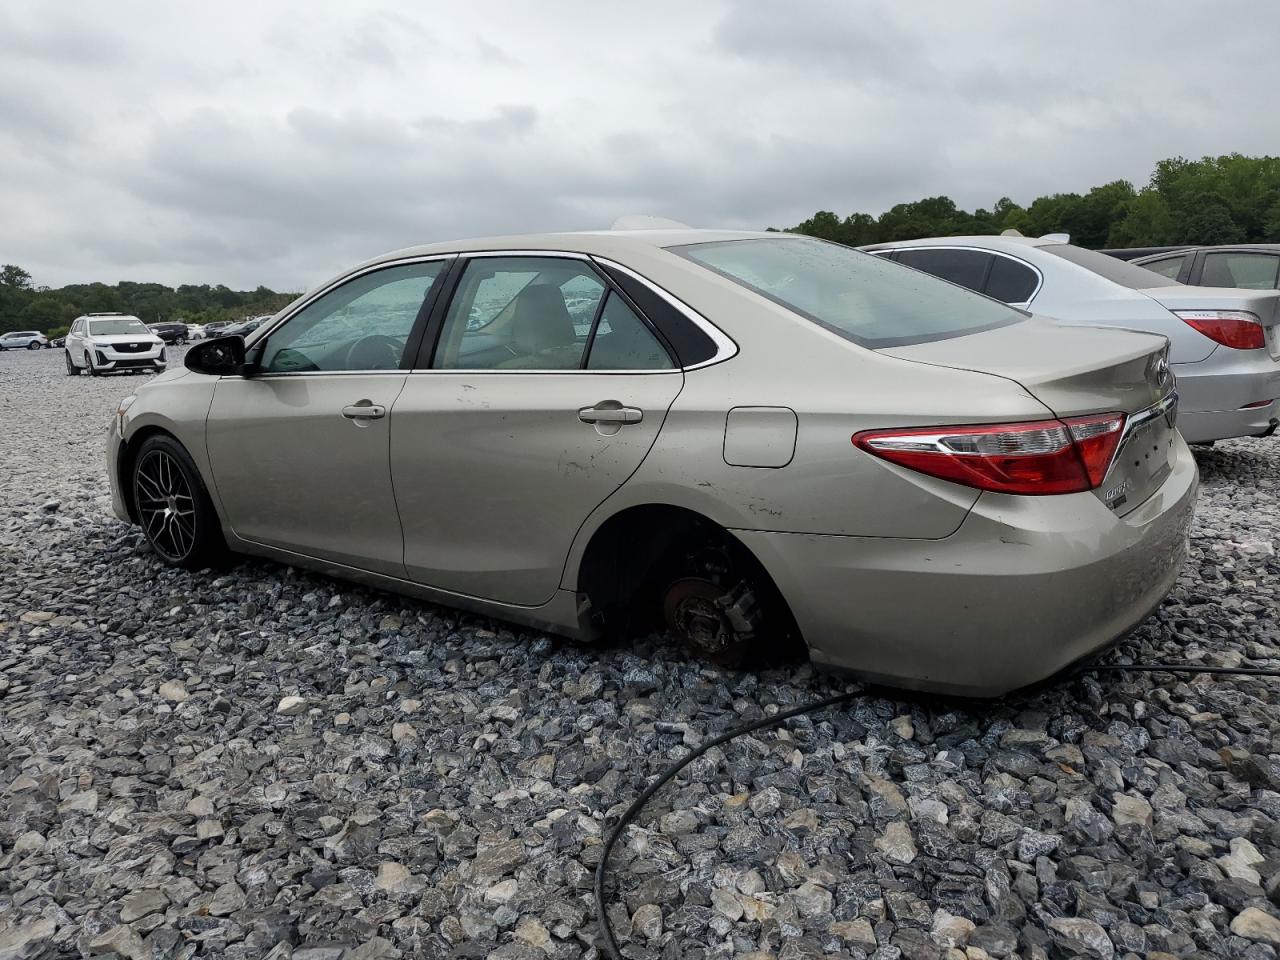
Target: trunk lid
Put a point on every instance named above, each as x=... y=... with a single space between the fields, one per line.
x=1264 y=304
x=1075 y=371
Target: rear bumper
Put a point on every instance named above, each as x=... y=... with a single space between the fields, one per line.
x=1025 y=587
x=1214 y=394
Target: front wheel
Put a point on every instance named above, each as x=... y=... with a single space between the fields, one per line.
x=173 y=505
x=88 y=365
x=72 y=369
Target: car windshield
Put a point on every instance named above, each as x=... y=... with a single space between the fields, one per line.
x=116 y=326
x=1109 y=267
x=866 y=299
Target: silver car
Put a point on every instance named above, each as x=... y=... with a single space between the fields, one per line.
x=1224 y=343
x=738 y=437
x=101 y=343
x=24 y=340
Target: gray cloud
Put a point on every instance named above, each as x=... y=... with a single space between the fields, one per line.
x=246 y=144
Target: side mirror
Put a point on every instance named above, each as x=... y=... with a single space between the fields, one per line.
x=222 y=357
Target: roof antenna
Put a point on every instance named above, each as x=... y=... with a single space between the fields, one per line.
x=640 y=221
x=1011 y=232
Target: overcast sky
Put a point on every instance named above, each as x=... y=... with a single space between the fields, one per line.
x=277 y=143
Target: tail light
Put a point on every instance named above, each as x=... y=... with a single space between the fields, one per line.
x=1036 y=458
x=1231 y=328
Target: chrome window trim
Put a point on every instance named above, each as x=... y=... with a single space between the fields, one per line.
x=577 y=371
x=966 y=246
x=726 y=347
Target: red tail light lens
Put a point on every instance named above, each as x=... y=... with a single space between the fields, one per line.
x=1036 y=458
x=1239 y=329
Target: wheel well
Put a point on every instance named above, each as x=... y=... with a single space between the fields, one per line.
x=635 y=554
x=125 y=459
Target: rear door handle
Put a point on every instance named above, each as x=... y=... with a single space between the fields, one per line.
x=364 y=410
x=610 y=414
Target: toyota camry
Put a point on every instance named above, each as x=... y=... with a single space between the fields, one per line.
x=735 y=437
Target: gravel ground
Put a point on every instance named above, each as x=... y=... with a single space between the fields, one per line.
x=266 y=763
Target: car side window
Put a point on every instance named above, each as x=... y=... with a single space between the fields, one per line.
x=1166 y=266
x=361 y=325
x=520 y=313
x=968 y=268
x=1252 y=271
x=1011 y=281
x=623 y=342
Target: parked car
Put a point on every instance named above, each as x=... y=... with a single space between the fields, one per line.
x=1133 y=253
x=195 y=331
x=171 y=332
x=58 y=342
x=24 y=340
x=215 y=328
x=757 y=435
x=1224 y=343
x=111 y=343
x=1250 y=266
x=243 y=328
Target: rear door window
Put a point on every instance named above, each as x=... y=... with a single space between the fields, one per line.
x=1167 y=266
x=968 y=268
x=623 y=342
x=1251 y=271
x=520 y=313
x=1011 y=281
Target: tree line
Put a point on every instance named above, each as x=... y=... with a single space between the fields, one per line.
x=1227 y=199
x=25 y=306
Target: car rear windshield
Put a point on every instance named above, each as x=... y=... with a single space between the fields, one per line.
x=866 y=299
x=1109 y=267
x=116 y=327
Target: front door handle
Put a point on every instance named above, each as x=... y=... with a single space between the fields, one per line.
x=364 y=410
x=610 y=412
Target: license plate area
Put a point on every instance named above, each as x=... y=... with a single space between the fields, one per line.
x=1144 y=458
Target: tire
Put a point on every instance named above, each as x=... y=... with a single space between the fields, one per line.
x=173 y=505
x=72 y=369
x=33 y=345
x=88 y=365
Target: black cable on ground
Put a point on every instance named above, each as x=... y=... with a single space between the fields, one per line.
x=669 y=774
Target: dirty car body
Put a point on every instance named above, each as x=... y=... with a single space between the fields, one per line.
x=932 y=489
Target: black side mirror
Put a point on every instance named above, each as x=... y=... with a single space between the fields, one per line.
x=221 y=357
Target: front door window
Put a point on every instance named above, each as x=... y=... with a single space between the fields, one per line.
x=362 y=325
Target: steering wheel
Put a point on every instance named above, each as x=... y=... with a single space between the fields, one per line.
x=374 y=352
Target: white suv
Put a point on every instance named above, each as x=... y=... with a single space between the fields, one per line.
x=24 y=340
x=110 y=342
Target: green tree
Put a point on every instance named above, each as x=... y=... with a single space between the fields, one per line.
x=15 y=277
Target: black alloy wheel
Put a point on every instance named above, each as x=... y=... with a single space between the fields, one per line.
x=173 y=507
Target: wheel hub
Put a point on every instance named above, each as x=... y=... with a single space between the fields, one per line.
x=695 y=612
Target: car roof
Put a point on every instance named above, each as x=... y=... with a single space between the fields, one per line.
x=600 y=242
x=1225 y=248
